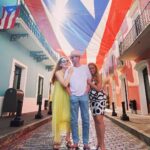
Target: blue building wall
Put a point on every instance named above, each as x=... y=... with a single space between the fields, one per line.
x=10 y=50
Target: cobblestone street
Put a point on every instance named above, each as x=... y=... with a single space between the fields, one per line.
x=59 y=58
x=115 y=139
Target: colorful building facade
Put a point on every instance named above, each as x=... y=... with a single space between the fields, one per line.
x=27 y=57
x=26 y=61
x=126 y=69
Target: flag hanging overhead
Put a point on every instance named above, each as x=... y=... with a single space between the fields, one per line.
x=89 y=26
x=9 y=15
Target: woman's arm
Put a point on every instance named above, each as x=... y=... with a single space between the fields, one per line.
x=97 y=87
x=61 y=79
x=68 y=90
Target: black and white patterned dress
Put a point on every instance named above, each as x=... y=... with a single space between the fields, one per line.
x=97 y=102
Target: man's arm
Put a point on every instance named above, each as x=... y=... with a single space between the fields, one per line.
x=87 y=89
x=88 y=78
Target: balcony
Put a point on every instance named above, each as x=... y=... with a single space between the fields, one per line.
x=120 y=64
x=111 y=70
x=25 y=16
x=27 y=33
x=137 y=41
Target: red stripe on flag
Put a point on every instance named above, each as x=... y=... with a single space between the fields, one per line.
x=2 y=19
x=37 y=10
x=116 y=16
x=6 y=22
x=14 y=18
x=84 y=58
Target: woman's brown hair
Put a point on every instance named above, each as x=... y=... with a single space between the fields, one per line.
x=96 y=76
x=58 y=67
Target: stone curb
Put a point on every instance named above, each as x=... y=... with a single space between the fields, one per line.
x=13 y=136
x=142 y=136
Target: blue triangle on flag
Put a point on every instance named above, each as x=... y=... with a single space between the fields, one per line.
x=10 y=9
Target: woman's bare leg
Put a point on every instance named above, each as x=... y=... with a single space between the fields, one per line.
x=68 y=136
x=100 y=130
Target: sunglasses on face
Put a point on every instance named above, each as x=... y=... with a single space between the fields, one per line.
x=74 y=56
x=64 y=61
x=91 y=68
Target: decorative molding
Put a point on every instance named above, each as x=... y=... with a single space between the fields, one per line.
x=142 y=64
x=17 y=25
x=15 y=37
x=39 y=56
x=49 y=67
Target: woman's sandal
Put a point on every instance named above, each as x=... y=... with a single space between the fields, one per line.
x=97 y=147
x=68 y=144
x=56 y=146
x=86 y=147
x=74 y=147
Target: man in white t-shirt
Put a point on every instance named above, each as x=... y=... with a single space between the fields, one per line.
x=79 y=99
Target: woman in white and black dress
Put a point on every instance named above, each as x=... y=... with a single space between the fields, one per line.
x=97 y=104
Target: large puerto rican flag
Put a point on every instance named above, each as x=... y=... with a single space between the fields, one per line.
x=89 y=26
x=9 y=15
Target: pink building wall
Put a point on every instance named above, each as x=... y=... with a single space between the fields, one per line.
x=127 y=70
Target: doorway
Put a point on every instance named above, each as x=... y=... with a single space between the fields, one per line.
x=18 y=75
x=147 y=87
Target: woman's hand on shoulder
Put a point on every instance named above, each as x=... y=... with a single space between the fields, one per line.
x=58 y=73
x=70 y=70
x=68 y=90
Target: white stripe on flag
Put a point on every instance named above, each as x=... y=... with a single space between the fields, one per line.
x=3 y=20
x=11 y=17
x=64 y=44
x=94 y=45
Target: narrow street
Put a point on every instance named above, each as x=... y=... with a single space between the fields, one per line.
x=115 y=139
x=49 y=48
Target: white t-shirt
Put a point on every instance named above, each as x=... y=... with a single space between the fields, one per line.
x=78 y=81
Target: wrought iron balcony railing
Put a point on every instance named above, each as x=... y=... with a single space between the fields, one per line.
x=111 y=70
x=141 y=22
x=24 y=15
x=120 y=63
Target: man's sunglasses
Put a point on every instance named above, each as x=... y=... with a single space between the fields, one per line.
x=74 y=56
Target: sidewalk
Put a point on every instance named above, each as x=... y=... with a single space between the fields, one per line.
x=138 y=125
x=9 y=134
